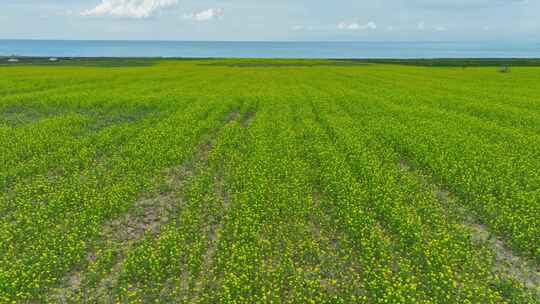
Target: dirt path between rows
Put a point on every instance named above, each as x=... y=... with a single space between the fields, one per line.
x=507 y=263
x=146 y=216
x=214 y=230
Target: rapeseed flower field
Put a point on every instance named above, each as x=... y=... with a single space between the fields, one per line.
x=269 y=181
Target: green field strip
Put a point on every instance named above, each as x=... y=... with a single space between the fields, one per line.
x=286 y=238
x=511 y=139
x=467 y=171
x=519 y=174
x=411 y=283
x=515 y=89
x=83 y=101
x=94 y=282
x=480 y=130
x=37 y=79
x=205 y=279
x=139 y=85
x=382 y=275
x=14 y=89
x=55 y=142
x=61 y=145
x=416 y=222
x=193 y=231
x=269 y=228
x=120 y=179
x=414 y=94
x=506 y=263
x=75 y=81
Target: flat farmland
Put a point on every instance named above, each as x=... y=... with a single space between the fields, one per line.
x=269 y=181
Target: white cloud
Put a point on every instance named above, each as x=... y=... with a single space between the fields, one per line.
x=129 y=8
x=370 y=26
x=205 y=15
x=421 y=25
x=355 y=26
x=348 y=26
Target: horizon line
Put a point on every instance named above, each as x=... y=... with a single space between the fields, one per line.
x=272 y=41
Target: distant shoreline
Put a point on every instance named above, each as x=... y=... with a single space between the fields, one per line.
x=263 y=62
x=270 y=50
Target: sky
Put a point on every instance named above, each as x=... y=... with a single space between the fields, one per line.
x=272 y=20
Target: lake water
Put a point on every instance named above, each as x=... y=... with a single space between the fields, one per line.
x=73 y=48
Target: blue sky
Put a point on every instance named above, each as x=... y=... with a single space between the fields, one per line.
x=262 y=20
